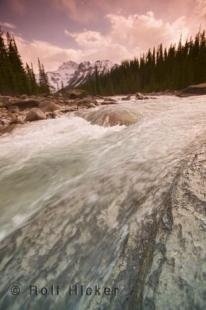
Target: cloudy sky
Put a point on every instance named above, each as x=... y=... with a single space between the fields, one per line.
x=61 y=30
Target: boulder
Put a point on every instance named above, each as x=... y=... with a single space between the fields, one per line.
x=87 y=103
x=4 y=100
x=126 y=98
x=16 y=119
x=24 y=96
x=13 y=109
x=52 y=115
x=69 y=109
x=6 y=129
x=139 y=96
x=49 y=106
x=35 y=115
x=22 y=104
x=72 y=93
x=193 y=90
x=109 y=101
x=110 y=117
x=5 y=120
x=69 y=102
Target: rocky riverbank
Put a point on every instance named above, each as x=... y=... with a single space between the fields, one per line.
x=19 y=110
x=16 y=111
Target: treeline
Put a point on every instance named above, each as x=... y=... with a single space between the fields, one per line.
x=15 y=79
x=159 y=69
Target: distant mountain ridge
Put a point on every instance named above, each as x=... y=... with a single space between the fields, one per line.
x=73 y=74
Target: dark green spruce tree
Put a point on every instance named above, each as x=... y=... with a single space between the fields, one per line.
x=5 y=68
x=18 y=77
x=159 y=69
x=33 y=87
x=43 y=80
x=15 y=79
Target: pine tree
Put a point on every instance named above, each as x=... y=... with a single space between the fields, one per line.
x=160 y=69
x=18 y=77
x=43 y=80
x=32 y=85
x=14 y=78
x=5 y=69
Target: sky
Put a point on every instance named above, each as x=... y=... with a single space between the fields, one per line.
x=61 y=30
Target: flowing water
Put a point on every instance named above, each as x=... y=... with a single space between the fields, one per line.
x=82 y=206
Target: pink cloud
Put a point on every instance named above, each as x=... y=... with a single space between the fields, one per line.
x=145 y=31
x=7 y=25
x=127 y=37
x=90 y=10
x=50 y=55
x=18 y=6
x=78 y=10
x=201 y=8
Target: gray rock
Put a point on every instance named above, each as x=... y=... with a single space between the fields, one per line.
x=49 y=106
x=126 y=98
x=193 y=90
x=72 y=93
x=139 y=96
x=107 y=117
x=23 y=104
x=24 y=96
x=69 y=109
x=17 y=119
x=108 y=101
x=13 y=109
x=4 y=100
x=88 y=103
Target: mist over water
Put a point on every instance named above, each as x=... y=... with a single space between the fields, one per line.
x=81 y=203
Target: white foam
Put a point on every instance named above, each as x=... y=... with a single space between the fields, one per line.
x=3 y=234
x=32 y=138
x=18 y=219
x=42 y=159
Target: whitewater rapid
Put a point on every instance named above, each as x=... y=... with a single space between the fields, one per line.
x=77 y=200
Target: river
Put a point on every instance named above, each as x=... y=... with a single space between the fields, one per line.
x=109 y=207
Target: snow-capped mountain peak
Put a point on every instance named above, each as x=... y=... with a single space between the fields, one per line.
x=72 y=74
x=60 y=78
x=69 y=65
